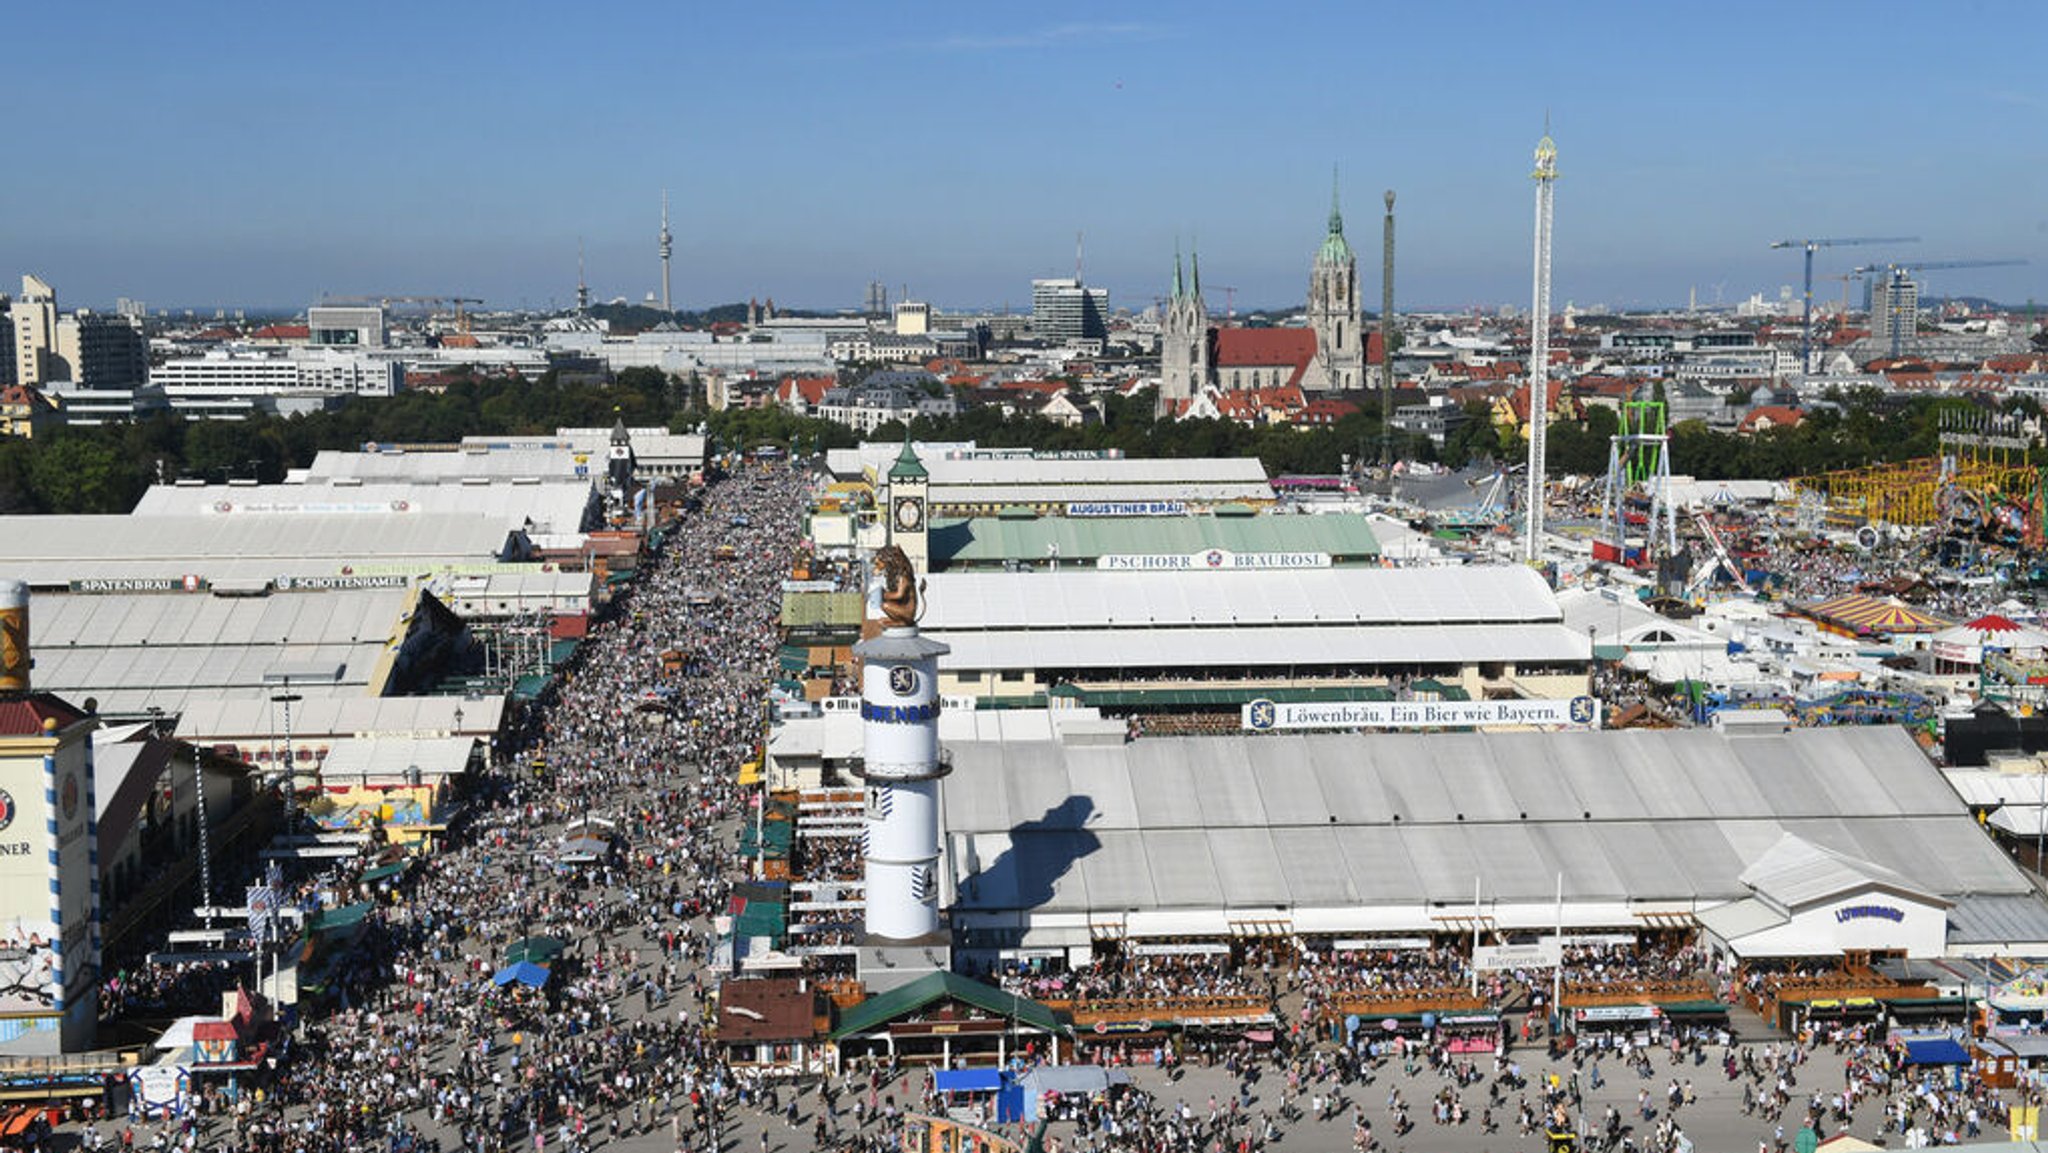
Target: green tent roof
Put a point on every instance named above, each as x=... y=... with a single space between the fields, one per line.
x=778 y=834
x=761 y=919
x=331 y=920
x=529 y=686
x=936 y=987
x=382 y=871
x=562 y=650
x=988 y=541
x=815 y=610
x=539 y=950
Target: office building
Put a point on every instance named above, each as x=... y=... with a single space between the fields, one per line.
x=98 y=352
x=347 y=326
x=1065 y=309
x=34 y=322
x=234 y=383
x=1894 y=311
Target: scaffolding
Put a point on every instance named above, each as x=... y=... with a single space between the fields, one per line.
x=1639 y=478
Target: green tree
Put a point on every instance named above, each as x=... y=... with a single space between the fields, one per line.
x=84 y=474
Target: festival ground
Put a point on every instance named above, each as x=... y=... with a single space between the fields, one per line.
x=424 y=1051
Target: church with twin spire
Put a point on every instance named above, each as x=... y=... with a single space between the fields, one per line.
x=1328 y=354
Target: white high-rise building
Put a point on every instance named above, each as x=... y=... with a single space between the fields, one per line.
x=34 y=318
x=1065 y=309
x=1894 y=311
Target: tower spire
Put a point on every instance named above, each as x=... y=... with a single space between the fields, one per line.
x=1336 y=205
x=1178 y=289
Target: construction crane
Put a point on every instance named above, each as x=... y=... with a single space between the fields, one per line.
x=1847 y=278
x=1896 y=279
x=1229 y=300
x=1811 y=246
x=433 y=302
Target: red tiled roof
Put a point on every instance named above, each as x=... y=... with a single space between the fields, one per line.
x=1772 y=416
x=811 y=388
x=2018 y=362
x=1264 y=347
x=282 y=332
x=23 y=716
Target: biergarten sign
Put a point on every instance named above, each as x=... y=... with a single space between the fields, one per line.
x=1264 y=715
x=1212 y=560
x=1541 y=955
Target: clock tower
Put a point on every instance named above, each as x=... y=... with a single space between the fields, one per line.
x=909 y=507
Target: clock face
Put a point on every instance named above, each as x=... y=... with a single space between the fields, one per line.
x=909 y=513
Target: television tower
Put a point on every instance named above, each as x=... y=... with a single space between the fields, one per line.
x=582 y=287
x=667 y=247
x=1545 y=177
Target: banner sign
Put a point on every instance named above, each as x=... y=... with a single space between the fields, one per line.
x=1618 y=1013
x=1127 y=508
x=354 y=581
x=178 y=584
x=1211 y=560
x=1264 y=715
x=1542 y=955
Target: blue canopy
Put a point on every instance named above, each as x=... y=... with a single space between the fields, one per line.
x=524 y=972
x=968 y=1080
x=1936 y=1051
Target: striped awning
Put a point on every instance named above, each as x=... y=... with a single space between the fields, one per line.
x=1861 y=613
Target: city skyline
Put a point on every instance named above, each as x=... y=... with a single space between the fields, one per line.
x=805 y=154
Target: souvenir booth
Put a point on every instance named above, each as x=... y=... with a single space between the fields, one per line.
x=2022 y=1001
x=1469 y=1033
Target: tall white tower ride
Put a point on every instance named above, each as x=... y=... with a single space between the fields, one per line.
x=901 y=767
x=667 y=247
x=1539 y=351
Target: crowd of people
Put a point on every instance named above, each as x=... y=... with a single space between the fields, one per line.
x=417 y=1046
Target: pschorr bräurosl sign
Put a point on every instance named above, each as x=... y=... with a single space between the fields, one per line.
x=1211 y=560
x=1264 y=715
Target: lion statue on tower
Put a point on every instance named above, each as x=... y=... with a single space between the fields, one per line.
x=898 y=582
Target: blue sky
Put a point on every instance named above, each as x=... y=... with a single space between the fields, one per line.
x=264 y=153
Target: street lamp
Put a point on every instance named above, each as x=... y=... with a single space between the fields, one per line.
x=205 y=845
x=287 y=698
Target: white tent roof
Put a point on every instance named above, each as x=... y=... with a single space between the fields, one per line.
x=1113 y=648
x=958 y=602
x=1795 y=872
x=391 y=758
x=55 y=550
x=1310 y=821
x=560 y=504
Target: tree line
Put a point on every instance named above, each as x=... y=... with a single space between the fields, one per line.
x=104 y=469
